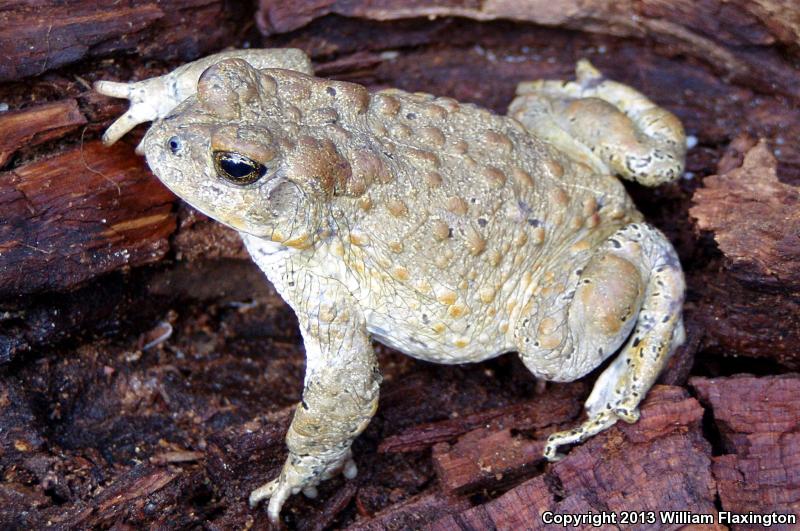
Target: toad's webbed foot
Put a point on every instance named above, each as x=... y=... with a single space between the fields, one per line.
x=301 y=473
x=607 y=125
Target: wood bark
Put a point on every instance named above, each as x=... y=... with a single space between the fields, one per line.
x=148 y=373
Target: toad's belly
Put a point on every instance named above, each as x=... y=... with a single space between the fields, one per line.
x=420 y=335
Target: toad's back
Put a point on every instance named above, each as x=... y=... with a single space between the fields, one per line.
x=450 y=214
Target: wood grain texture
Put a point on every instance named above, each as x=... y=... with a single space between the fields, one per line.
x=759 y=466
x=85 y=212
x=36 y=125
x=659 y=464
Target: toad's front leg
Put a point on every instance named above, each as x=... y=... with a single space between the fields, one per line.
x=339 y=398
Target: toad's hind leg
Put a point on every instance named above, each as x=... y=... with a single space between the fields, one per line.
x=633 y=281
x=607 y=125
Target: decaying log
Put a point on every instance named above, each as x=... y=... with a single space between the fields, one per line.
x=660 y=463
x=39 y=36
x=85 y=212
x=414 y=513
x=755 y=220
x=37 y=125
x=182 y=408
x=727 y=37
x=757 y=419
x=557 y=405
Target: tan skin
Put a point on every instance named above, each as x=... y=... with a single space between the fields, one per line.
x=442 y=230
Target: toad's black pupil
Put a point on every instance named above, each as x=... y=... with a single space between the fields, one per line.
x=174 y=144
x=236 y=166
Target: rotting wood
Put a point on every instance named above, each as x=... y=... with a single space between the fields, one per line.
x=36 y=125
x=84 y=212
x=757 y=421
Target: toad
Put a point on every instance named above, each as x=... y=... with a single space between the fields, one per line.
x=438 y=228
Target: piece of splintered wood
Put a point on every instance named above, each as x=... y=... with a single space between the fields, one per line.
x=661 y=463
x=755 y=220
x=558 y=404
x=757 y=419
x=36 y=125
x=82 y=213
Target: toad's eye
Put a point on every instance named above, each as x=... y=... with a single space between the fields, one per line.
x=174 y=144
x=238 y=169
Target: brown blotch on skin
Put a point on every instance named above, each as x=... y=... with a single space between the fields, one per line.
x=396 y=246
x=456 y=205
x=495 y=177
x=456 y=310
x=486 y=294
x=554 y=167
x=580 y=246
x=396 y=207
x=367 y=167
x=357 y=238
x=432 y=136
x=365 y=203
x=400 y=131
x=386 y=105
x=559 y=196
x=498 y=140
x=294 y=86
x=476 y=243
x=434 y=179
x=351 y=96
x=447 y=298
x=459 y=146
x=434 y=111
x=537 y=235
x=449 y=104
x=423 y=157
x=521 y=177
x=317 y=161
x=589 y=206
x=400 y=273
x=441 y=231
x=593 y=221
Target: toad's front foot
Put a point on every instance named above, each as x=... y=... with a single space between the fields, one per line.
x=150 y=99
x=301 y=473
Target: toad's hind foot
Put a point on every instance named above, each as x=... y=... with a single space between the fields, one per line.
x=657 y=333
x=607 y=125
